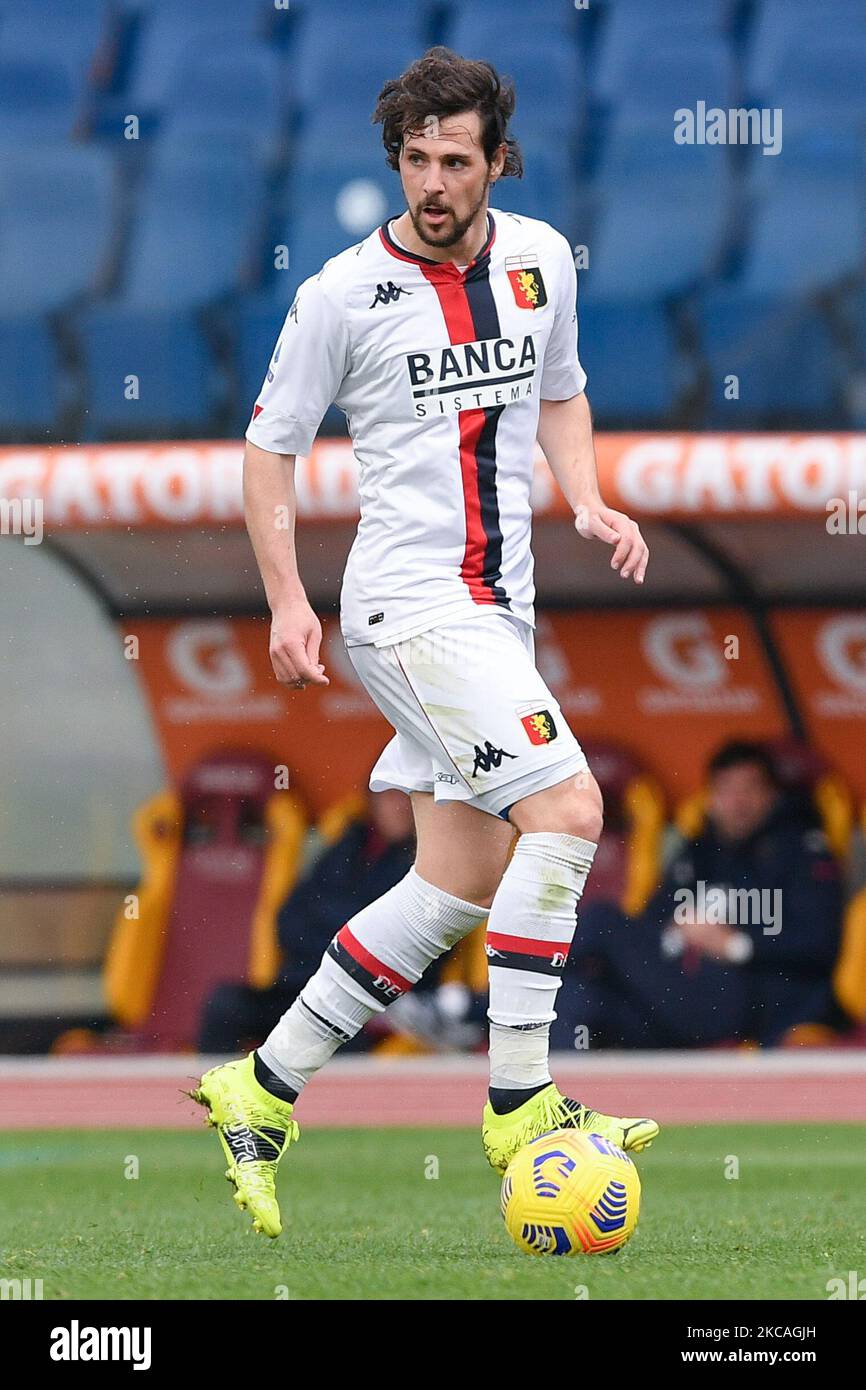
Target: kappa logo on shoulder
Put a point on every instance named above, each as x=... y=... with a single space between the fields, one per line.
x=388 y=294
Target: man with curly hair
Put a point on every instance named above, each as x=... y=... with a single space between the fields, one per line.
x=449 y=339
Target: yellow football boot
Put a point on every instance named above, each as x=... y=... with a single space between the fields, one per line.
x=255 y=1129
x=503 y=1135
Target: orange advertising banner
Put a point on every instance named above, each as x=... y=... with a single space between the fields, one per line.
x=664 y=475
x=669 y=687
x=825 y=656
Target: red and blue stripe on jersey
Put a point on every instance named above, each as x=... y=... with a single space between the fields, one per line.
x=470 y=313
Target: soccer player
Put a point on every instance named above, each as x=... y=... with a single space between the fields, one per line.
x=449 y=339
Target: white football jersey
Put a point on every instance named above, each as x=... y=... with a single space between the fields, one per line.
x=440 y=372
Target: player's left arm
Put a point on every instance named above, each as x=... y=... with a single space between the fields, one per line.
x=565 y=433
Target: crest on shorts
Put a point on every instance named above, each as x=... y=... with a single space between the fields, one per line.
x=526 y=281
x=539 y=726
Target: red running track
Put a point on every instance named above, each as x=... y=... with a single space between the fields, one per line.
x=674 y=1088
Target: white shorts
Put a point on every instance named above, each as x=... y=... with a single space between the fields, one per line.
x=475 y=721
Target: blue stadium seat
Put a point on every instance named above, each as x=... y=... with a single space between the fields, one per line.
x=228 y=91
x=547 y=77
x=658 y=235
x=346 y=56
x=781 y=25
x=782 y=353
x=547 y=189
x=489 y=18
x=38 y=101
x=57 y=206
x=823 y=84
x=629 y=356
x=637 y=146
x=807 y=223
x=178 y=383
x=634 y=31
x=333 y=204
x=172 y=30
x=347 y=116
x=193 y=233
x=70 y=35
x=257 y=325
x=661 y=76
x=31 y=380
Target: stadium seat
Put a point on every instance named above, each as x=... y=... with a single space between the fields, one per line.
x=546 y=72
x=657 y=237
x=353 y=52
x=808 y=221
x=628 y=353
x=57 y=225
x=257 y=321
x=192 y=238
x=781 y=351
x=227 y=92
x=75 y=36
x=331 y=202
x=823 y=81
x=547 y=189
x=666 y=62
x=782 y=27
x=38 y=101
x=31 y=380
x=172 y=30
x=176 y=378
x=634 y=147
x=479 y=18
x=628 y=860
x=219 y=857
x=779 y=25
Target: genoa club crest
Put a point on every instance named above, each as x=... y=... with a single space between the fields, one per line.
x=526 y=283
x=539 y=726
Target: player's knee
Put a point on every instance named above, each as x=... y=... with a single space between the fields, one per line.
x=584 y=817
x=567 y=809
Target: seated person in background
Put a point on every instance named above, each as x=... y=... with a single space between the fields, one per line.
x=739 y=941
x=371 y=857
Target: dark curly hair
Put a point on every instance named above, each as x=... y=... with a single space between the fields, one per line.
x=441 y=83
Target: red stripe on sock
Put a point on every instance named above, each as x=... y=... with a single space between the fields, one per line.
x=360 y=954
x=526 y=945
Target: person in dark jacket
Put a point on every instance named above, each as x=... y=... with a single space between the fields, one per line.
x=738 y=942
x=370 y=857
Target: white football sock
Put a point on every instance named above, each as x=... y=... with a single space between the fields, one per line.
x=376 y=957
x=529 y=933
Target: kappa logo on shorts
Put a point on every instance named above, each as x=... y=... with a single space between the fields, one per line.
x=488 y=757
x=375 y=618
x=539 y=726
x=445 y=777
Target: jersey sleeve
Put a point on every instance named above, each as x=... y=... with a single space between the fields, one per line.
x=310 y=360
x=562 y=375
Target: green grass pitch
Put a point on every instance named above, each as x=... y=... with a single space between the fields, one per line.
x=363 y=1220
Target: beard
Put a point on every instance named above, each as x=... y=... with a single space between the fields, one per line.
x=459 y=226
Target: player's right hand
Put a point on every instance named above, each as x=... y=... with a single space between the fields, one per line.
x=296 y=635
